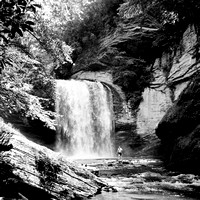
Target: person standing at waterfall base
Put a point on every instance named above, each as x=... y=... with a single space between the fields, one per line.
x=119 y=152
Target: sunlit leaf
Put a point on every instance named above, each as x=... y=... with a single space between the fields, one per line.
x=37 y=5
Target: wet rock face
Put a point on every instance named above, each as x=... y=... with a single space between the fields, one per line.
x=179 y=129
x=34 y=171
x=102 y=76
x=172 y=72
x=151 y=110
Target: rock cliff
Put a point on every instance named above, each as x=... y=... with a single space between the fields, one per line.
x=179 y=130
x=172 y=72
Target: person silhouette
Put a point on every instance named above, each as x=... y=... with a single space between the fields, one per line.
x=119 y=152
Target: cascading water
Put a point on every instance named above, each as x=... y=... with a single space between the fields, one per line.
x=84 y=119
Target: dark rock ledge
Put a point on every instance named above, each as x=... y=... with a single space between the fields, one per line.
x=31 y=171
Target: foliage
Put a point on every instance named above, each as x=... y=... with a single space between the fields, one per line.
x=98 y=18
x=7 y=177
x=44 y=45
x=5 y=170
x=57 y=13
x=19 y=82
x=171 y=16
x=104 y=40
x=132 y=76
x=14 y=17
x=129 y=41
x=37 y=111
x=49 y=45
x=23 y=75
x=23 y=70
x=48 y=171
x=17 y=103
x=52 y=22
x=5 y=134
x=26 y=85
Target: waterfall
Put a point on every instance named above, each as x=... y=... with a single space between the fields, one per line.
x=84 y=119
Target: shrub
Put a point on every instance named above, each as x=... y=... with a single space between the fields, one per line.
x=48 y=170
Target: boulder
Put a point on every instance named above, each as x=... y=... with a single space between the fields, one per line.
x=33 y=171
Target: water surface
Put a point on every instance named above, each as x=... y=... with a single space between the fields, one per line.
x=142 y=179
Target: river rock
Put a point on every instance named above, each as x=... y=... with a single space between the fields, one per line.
x=36 y=172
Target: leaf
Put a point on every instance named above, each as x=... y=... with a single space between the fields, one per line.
x=8 y=62
x=26 y=27
x=30 y=28
x=19 y=31
x=4 y=38
x=37 y=5
x=6 y=31
x=13 y=31
x=31 y=8
x=30 y=23
x=2 y=65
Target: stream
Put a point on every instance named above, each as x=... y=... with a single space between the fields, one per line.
x=141 y=179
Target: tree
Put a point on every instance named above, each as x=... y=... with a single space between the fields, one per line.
x=16 y=18
x=22 y=77
x=169 y=14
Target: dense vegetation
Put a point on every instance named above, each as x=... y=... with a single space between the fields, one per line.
x=127 y=36
x=26 y=86
x=37 y=45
